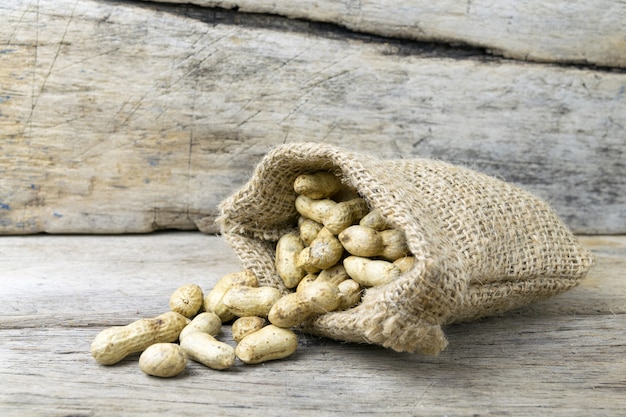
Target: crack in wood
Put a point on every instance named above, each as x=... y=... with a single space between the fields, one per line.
x=435 y=47
x=405 y=47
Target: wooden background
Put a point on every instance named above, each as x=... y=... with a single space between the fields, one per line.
x=564 y=31
x=128 y=116
x=122 y=116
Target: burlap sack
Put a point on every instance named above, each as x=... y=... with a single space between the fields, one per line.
x=482 y=246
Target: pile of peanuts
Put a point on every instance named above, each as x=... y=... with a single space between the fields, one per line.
x=340 y=247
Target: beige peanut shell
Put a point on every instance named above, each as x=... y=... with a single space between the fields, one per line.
x=320 y=296
x=269 y=343
x=345 y=214
x=251 y=301
x=187 y=300
x=289 y=311
x=394 y=244
x=361 y=241
x=205 y=349
x=309 y=278
x=318 y=185
x=115 y=343
x=324 y=252
x=207 y=322
x=308 y=229
x=316 y=210
x=335 y=274
x=375 y=220
x=243 y=326
x=213 y=301
x=288 y=248
x=350 y=293
x=370 y=273
x=164 y=360
x=366 y=242
x=404 y=263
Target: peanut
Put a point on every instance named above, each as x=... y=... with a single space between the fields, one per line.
x=316 y=210
x=164 y=360
x=318 y=185
x=345 y=214
x=350 y=293
x=187 y=300
x=405 y=263
x=267 y=344
x=394 y=244
x=334 y=216
x=250 y=301
x=213 y=302
x=205 y=349
x=324 y=252
x=308 y=229
x=309 y=278
x=317 y=297
x=320 y=296
x=375 y=220
x=243 y=326
x=289 y=311
x=288 y=248
x=334 y=274
x=370 y=273
x=207 y=322
x=367 y=242
x=361 y=241
x=115 y=343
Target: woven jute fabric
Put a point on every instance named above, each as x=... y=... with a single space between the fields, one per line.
x=482 y=246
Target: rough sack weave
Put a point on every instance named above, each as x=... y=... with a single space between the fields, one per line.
x=483 y=246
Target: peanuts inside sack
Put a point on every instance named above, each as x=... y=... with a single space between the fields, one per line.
x=427 y=242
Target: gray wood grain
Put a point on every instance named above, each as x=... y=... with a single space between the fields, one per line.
x=117 y=118
x=562 y=357
x=562 y=31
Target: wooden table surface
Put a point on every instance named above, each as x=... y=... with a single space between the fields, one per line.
x=562 y=357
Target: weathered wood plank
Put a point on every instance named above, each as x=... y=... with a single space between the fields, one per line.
x=562 y=31
x=117 y=118
x=562 y=357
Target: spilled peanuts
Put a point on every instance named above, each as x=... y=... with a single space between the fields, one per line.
x=164 y=360
x=187 y=300
x=338 y=248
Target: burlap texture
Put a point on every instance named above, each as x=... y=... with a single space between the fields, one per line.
x=483 y=246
